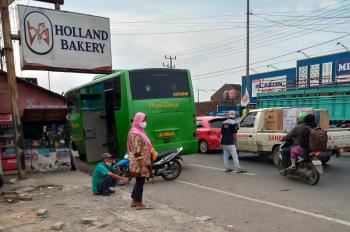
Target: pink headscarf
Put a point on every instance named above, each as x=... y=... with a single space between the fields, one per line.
x=136 y=129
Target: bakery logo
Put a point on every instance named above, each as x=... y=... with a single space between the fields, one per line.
x=38 y=32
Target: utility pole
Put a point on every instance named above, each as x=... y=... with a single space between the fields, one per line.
x=48 y=78
x=170 y=64
x=12 y=84
x=247 y=71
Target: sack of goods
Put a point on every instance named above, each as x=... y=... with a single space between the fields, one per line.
x=318 y=139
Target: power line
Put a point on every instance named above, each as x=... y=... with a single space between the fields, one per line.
x=272 y=58
x=222 y=44
x=262 y=42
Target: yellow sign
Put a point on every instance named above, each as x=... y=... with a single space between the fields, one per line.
x=164 y=105
x=180 y=94
x=75 y=125
x=167 y=134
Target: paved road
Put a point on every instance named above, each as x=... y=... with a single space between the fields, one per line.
x=261 y=200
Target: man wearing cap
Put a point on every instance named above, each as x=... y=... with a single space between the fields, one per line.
x=229 y=131
x=104 y=177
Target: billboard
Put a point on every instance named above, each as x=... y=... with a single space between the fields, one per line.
x=342 y=71
x=268 y=85
x=64 y=41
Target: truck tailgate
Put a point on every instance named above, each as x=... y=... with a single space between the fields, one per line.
x=338 y=138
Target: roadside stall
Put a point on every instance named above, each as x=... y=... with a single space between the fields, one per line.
x=7 y=148
x=45 y=139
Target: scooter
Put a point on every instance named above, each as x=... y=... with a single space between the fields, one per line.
x=166 y=165
x=309 y=167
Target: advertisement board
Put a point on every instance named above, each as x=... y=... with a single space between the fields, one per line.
x=268 y=85
x=343 y=70
x=64 y=41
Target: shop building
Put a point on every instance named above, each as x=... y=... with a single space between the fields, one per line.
x=44 y=128
x=226 y=98
x=321 y=82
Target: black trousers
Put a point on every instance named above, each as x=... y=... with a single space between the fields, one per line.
x=137 y=192
x=286 y=157
x=105 y=183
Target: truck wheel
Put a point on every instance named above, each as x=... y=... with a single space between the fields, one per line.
x=325 y=160
x=276 y=157
x=203 y=147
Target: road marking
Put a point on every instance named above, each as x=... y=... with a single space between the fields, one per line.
x=346 y=162
x=220 y=169
x=346 y=223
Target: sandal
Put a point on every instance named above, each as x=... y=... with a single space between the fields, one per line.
x=142 y=206
x=133 y=204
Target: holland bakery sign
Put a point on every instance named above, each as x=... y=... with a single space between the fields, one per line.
x=64 y=41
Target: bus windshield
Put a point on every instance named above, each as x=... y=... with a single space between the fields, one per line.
x=151 y=84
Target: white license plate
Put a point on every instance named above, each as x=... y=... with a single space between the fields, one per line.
x=317 y=162
x=318 y=166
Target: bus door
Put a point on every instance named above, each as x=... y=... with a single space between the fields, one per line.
x=94 y=126
x=110 y=123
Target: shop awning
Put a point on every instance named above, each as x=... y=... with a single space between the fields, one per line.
x=45 y=114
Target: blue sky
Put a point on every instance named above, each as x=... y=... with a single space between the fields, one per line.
x=144 y=31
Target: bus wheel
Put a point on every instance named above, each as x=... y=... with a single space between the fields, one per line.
x=203 y=147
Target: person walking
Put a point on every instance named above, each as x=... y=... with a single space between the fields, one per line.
x=229 y=131
x=140 y=150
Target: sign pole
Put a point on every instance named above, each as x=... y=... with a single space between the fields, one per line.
x=12 y=84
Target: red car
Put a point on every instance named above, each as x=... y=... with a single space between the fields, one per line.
x=209 y=133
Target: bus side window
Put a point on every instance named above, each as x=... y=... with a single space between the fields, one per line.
x=114 y=84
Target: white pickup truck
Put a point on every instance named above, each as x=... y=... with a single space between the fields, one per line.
x=252 y=137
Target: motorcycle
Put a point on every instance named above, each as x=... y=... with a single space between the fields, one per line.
x=166 y=165
x=309 y=167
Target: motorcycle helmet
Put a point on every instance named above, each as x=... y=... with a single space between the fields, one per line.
x=301 y=117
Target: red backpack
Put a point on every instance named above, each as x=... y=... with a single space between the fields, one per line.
x=318 y=139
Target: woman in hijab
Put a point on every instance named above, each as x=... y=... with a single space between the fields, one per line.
x=140 y=150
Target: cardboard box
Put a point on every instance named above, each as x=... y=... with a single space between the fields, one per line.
x=322 y=118
x=274 y=119
x=289 y=119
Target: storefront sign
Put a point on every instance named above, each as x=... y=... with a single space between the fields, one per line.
x=343 y=70
x=5 y=118
x=64 y=41
x=269 y=85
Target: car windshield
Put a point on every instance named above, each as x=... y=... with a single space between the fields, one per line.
x=216 y=123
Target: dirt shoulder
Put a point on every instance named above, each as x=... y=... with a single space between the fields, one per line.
x=68 y=200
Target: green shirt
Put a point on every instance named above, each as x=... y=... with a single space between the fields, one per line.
x=100 y=171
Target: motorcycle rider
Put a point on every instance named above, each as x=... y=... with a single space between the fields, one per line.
x=299 y=137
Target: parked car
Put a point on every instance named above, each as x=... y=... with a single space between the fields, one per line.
x=209 y=133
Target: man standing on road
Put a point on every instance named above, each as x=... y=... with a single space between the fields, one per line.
x=229 y=131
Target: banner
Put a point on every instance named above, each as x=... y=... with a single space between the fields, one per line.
x=269 y=85
x=245 y=99
x=64 y=41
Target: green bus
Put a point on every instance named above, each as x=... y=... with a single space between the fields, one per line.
x=102 y=111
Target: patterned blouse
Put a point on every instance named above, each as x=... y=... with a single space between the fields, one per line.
x=140 y=156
